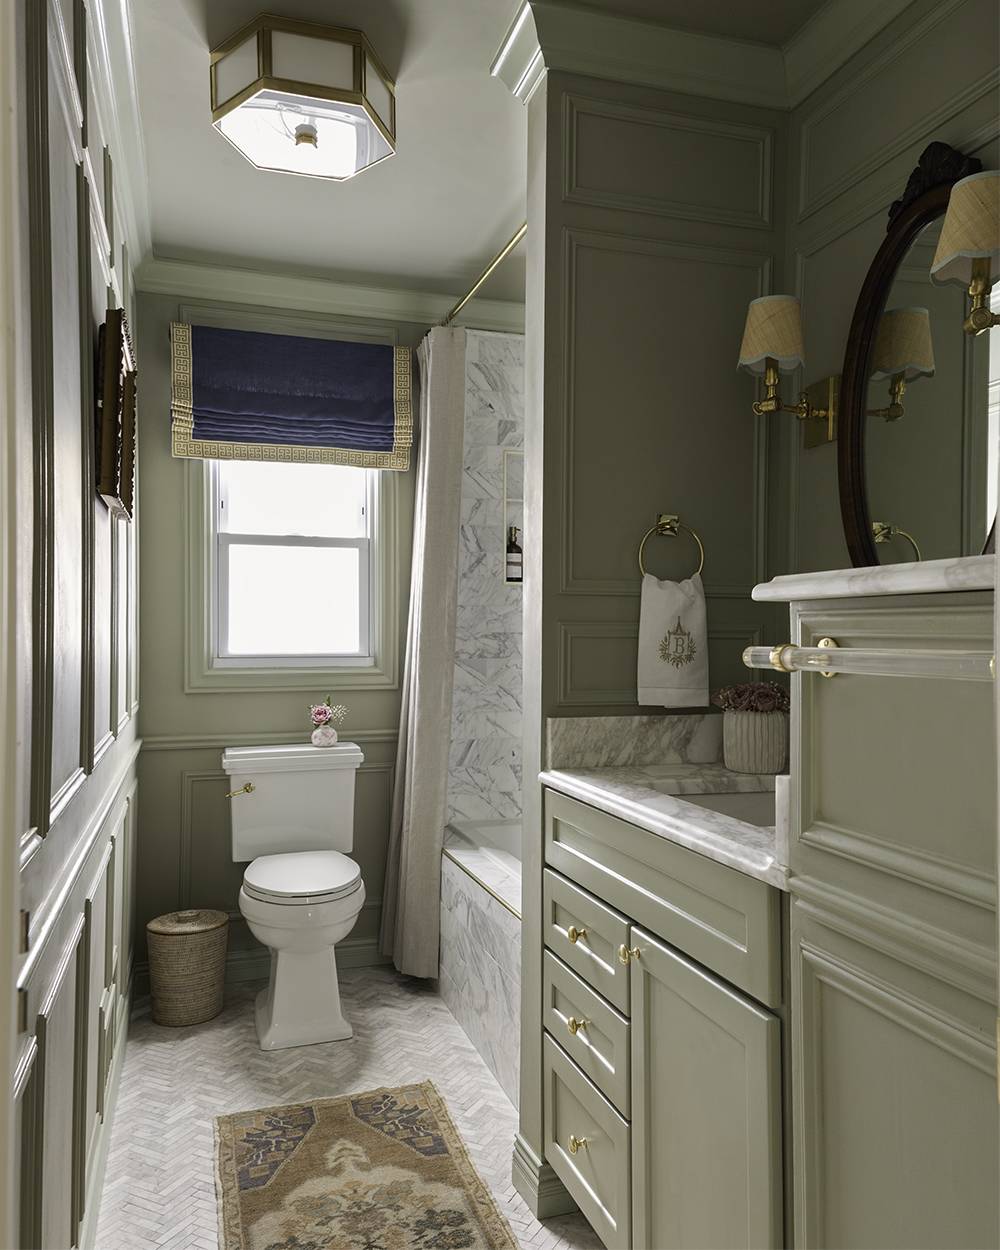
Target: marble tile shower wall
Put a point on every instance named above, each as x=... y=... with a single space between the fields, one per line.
x=484 y=774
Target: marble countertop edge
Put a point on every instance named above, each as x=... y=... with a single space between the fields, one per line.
x=746 y=848
x=926 y=577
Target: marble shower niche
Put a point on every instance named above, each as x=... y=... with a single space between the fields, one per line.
x=484 y=771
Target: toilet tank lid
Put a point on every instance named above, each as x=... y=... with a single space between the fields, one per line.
x=291 y=757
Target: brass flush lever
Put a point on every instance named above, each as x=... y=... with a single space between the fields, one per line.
x=247 y=789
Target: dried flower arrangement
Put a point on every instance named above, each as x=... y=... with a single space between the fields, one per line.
x=755 y=696
x=325 y=717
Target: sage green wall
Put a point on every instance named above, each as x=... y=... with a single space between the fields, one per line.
x=931 y=74
x=185 y=857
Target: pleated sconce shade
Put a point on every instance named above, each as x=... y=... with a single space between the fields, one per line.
x=903 y=344
x=773 y=328
x=971 y=229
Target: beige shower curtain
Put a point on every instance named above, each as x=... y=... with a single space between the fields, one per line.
x=411 y=899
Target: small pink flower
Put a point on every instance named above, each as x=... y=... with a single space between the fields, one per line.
x=321 y=713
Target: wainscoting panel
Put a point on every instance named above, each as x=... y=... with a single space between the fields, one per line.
x=669 y=164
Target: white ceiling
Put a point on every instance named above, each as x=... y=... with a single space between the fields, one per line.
x=429 y=218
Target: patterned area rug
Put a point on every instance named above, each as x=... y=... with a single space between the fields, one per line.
x=383 y=1170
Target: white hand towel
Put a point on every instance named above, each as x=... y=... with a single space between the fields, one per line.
x=673 y=643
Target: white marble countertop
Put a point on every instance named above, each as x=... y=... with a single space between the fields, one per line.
x=629 y=794
x=926 y=577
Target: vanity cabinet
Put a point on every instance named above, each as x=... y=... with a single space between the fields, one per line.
x=662 y=1095
x=892 y=931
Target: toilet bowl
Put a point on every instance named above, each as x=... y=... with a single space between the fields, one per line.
x=293 y=818
x=300 y=905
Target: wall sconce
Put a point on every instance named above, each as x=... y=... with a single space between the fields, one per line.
x=772 y=345
x=969 y=248
x=903 y=351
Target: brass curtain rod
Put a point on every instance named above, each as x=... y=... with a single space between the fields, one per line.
x=497 y=260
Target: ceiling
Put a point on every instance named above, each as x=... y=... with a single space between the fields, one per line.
x=427 y=219
x=761 y=21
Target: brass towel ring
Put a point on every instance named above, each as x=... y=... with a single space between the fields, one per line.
x=885 y=531
x=668 y=525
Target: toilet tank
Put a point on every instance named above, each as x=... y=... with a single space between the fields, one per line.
x=292 y=798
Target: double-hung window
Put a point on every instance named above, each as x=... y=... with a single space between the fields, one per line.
x=294 y=548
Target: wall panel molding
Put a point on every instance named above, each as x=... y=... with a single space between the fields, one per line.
x=200 y=742
x=661 y=124
x=577 y=241
x=810 y=201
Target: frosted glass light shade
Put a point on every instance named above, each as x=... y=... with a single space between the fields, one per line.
x=903 y=344
x=971 y=229
x=301 y=98
x=773 y=329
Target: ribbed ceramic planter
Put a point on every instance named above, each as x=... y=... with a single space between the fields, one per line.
x=755 y=742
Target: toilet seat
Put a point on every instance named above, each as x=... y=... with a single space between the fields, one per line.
x=302 y=877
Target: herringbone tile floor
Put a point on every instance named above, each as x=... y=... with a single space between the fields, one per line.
x=160 y=1187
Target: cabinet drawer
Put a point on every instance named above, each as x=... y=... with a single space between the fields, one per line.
x=594 y=1035
x=725 y=920
x=597 y=1171
x=586 y=934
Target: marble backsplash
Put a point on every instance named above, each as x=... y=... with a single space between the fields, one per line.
x=633 y=741
x=484 y=768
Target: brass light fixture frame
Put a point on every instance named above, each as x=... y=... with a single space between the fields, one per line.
x=261 y=28
x=817 y=406
x=980 y=316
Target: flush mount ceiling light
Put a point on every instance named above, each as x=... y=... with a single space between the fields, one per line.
x=302 y=98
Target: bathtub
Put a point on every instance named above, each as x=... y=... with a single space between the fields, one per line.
x=480 y=963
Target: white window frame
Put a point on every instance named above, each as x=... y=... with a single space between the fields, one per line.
x=223 y=542
x=207 y=669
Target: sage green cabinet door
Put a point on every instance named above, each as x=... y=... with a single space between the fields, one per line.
x=706 y=1109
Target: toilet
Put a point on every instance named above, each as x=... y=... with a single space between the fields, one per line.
x=292 y=811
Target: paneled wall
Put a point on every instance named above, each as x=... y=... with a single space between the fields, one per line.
x=185 y=857
x=75 y=633
x=654 y=218
x=931 y=74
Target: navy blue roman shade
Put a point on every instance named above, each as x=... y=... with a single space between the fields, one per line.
x=243 y=395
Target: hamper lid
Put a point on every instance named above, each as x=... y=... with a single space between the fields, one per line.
x=196 y=921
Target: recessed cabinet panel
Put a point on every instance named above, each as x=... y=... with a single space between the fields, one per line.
x=587 y=1145
x=895 y=1104
x=587 y=935
x=706 y=1109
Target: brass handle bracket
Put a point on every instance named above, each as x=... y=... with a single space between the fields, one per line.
x=246 y=789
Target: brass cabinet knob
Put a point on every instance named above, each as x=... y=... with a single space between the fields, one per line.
x=576 y=1143
x=247 y=789
x=574 y=934
x=575 y=1024
x=627 y=953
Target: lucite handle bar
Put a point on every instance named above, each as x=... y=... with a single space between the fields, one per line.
x=829 y=659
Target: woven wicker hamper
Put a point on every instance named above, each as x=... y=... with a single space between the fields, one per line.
x=187 y=965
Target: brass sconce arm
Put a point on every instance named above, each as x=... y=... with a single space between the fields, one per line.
x=897 y=389
x=980 y=316
x=772 y=401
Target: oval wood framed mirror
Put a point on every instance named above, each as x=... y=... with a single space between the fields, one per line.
x=895 y=465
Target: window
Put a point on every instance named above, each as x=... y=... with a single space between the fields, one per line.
x=292 y=573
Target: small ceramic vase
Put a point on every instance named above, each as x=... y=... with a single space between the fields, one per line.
x=324 y=736
x=754 y=742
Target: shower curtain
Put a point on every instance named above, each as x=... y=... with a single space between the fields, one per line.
x=411 y=900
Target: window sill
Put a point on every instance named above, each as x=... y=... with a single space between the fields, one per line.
x=208 y=678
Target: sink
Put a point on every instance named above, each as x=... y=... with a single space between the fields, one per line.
x=754 y=808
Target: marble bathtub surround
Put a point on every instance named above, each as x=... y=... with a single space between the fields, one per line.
x=622 y=741
x=958 y=573
x=629 y=793
x=480 y=976
x=484 y=765
x=484 y=868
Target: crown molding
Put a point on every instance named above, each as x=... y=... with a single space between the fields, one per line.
x=160 y=276
x=555 y=34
